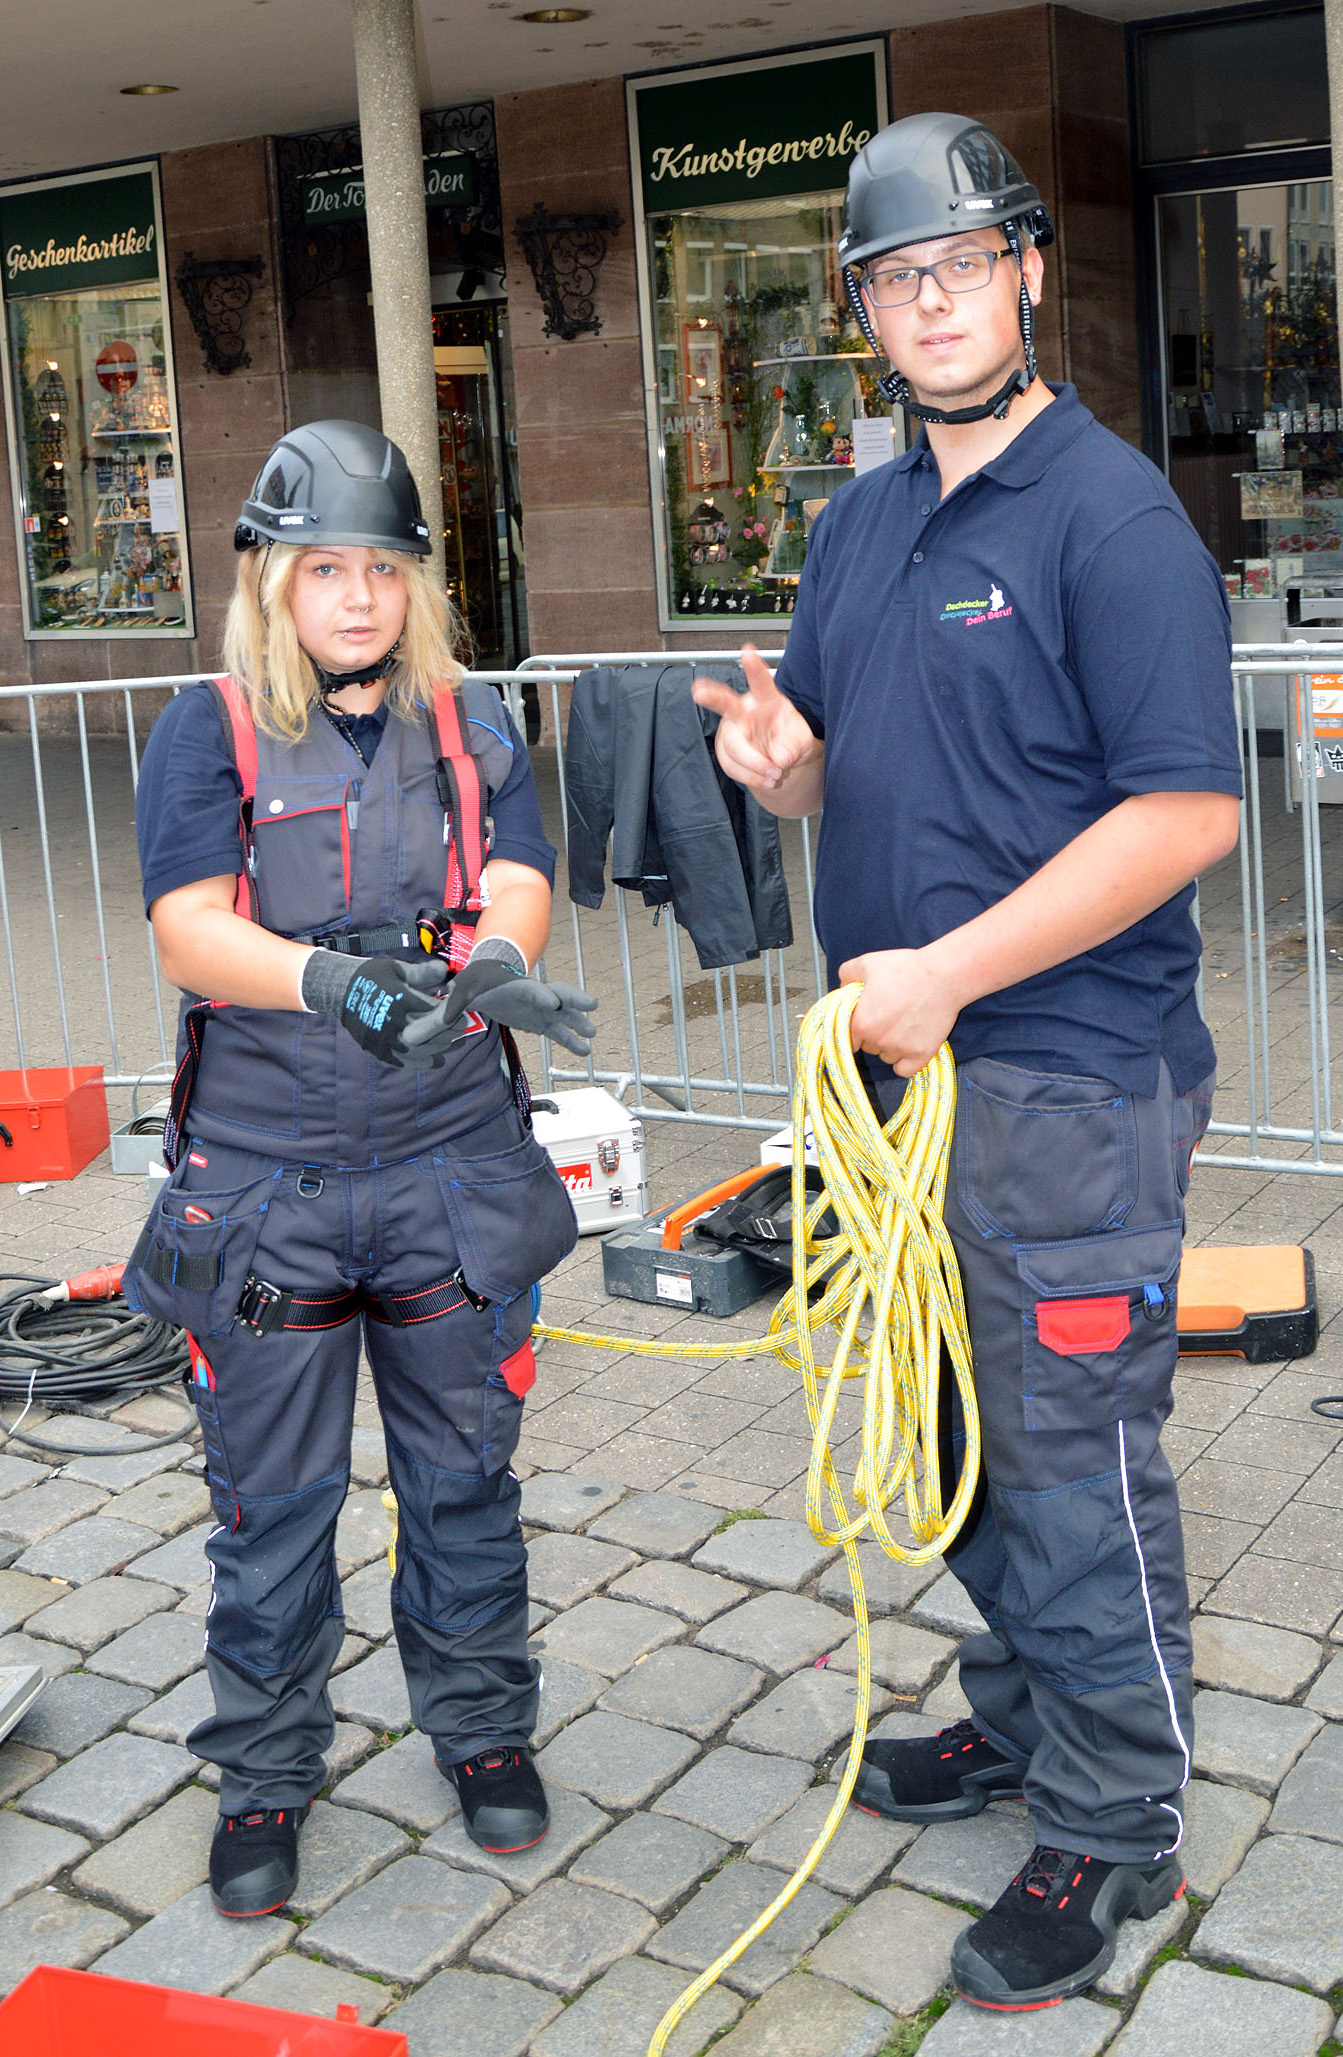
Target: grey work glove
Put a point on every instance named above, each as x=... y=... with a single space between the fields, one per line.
x=493 y=983
x=564 y=1013
x=377 y=999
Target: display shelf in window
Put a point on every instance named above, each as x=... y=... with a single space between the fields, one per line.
x=89 y=394
x=755 y=435
x=755 y=367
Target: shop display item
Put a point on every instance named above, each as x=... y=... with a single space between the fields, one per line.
x=91 y=412
x=1252 y=378
x=760 y=379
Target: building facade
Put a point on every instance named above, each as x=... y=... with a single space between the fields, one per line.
x=649 y=381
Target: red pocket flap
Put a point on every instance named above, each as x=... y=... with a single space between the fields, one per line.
x=518 y=1372
x=1081 y=1328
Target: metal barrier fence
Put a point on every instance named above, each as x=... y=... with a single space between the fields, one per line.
x=85 y=985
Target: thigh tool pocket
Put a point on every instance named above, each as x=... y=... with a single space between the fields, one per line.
x=1098 y=1319
x=194 y=1254
x=1040 y=1154
x=511 y=1216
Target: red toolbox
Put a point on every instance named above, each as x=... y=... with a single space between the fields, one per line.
x=58 y=2013
x=53 y=1120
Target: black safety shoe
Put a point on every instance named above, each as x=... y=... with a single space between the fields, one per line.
x=1053 y=1931
x=503 y=1800
x=254 y=1860
x=935 y=1778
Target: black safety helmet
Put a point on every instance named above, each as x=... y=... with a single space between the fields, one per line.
x=335 y=482
x=937 y=175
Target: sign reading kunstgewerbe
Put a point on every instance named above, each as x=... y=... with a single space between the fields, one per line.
x=755 y=133
x=90 y=232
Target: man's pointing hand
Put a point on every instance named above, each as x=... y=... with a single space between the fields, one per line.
x=761 y=736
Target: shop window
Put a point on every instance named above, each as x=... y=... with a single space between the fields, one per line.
x=94 y=445
x=1254 y=416
x=1215 y=88
x=764 y=395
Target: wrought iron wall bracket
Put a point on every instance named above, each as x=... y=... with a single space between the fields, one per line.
x=565 y=253
x=216 y=291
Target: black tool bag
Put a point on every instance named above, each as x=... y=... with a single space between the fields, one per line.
x=759 y=1219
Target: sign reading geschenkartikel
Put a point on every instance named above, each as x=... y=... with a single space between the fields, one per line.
x=756 y=131
x=85 y=232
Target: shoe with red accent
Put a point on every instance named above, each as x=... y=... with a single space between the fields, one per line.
x=254 y=1860
x=503 y=1800
x=935 y=1778
x=1053 y=1931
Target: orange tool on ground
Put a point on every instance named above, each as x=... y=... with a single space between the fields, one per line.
x=1255 y=1301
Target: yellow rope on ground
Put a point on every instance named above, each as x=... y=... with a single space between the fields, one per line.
x=893 y=1297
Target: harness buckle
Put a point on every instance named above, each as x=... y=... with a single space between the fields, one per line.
x=262 y=1307
x=480 y=1301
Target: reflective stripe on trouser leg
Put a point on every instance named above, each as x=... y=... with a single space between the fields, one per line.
x=1064 y=1190
x=272 y=1633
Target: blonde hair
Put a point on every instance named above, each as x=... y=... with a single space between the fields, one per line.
x=264 y=655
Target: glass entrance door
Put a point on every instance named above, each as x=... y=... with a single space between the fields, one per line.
x=482 y=530
x=1254 y=434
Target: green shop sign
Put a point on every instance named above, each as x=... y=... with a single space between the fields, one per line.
x=449 y=181
x=757 y=132
x=88 y=232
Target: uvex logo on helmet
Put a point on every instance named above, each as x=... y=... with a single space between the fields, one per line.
x=336 y=482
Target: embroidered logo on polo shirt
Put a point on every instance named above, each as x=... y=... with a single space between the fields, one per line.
x=994 y=607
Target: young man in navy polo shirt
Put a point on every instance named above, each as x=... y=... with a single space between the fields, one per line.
x=1007 y=686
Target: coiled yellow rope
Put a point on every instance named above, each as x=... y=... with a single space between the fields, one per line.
x=893 y=1298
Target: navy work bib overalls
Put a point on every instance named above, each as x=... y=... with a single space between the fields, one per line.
x=323 y=1198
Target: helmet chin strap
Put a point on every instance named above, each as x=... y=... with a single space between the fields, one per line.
x=366 y=675
x=896 y=386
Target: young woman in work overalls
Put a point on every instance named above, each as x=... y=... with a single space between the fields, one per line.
x=346 y=874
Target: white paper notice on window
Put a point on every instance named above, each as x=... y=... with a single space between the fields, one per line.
x=873 y=442
x=163 y=506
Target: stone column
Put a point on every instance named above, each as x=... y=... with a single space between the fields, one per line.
x=1333 y=36
x=398 y=249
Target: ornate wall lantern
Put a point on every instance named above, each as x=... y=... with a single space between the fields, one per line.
x=216 y=291
x=565 y=253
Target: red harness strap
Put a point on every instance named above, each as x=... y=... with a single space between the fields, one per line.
x=462 y=791
x=240 y=730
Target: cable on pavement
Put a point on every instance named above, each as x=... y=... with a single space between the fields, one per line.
x=889 y=1287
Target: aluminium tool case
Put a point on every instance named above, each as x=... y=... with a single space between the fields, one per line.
x=597 y=1147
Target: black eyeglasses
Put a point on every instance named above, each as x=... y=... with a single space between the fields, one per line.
x=966 y=272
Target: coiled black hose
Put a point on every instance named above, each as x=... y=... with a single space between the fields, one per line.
x=64 y=1355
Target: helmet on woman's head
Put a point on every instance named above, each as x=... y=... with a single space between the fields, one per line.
x=335 y=482
x=935 y=175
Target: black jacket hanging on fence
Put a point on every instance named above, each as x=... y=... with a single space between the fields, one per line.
x=640 y=768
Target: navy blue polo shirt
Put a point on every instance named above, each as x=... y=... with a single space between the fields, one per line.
x=186 y=801
x=991 y=673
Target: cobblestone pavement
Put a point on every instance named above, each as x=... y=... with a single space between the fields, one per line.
x=699 y=1680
